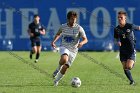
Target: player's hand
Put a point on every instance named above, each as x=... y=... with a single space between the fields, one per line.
x=42 y=32
x=53 y=45
x=80 y=45
x=119 y=43
x=31 y=34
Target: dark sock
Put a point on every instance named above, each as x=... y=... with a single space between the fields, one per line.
x=32 y=52
x=37 y=55
x=128 y=74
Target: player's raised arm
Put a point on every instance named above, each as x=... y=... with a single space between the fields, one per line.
x=42 y=30
x=136 y=27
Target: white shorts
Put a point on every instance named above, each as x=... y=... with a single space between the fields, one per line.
x=70 y=54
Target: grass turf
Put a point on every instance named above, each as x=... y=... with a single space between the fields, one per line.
x=100 y=72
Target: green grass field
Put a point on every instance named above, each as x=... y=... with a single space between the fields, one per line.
x=100 y=72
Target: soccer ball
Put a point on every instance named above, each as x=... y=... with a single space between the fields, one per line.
x=56 y=49
x=76 y=82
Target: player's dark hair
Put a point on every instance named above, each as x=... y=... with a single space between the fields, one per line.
x=71 y=13
x=36 y=15
x=122 y=12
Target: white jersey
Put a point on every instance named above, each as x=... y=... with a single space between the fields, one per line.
x=71 y=36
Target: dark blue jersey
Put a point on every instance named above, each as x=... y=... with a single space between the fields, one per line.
x=126 y=36
x=35 y=28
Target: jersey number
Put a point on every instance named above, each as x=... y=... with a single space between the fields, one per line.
x=68 y=39
x=123 y=35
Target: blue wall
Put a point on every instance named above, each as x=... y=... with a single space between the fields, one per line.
x=98 y=18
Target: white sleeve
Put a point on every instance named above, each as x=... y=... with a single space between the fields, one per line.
x=82 y=32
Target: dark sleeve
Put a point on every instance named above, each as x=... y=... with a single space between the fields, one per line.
x=116 y=33
x=30 y=26
x=43 y=27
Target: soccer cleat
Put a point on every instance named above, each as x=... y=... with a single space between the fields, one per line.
x=132 y=83
x=55 y=73
x=36 y=61
x=56 y=83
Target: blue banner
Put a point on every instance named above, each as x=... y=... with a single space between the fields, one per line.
x=98 y=18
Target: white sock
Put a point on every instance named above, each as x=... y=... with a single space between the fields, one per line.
x=59 y=77
x=59 y=67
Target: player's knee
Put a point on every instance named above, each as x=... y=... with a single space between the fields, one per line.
x=63 y=60
x=32 y=51
x=129 y=67
x=35 y=52
x=124 y=67
x=64 y=69
x=38 y=52
x=67 y=66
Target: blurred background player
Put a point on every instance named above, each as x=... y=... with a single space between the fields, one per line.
x=35 y=29
x=70 y=34
x=124 y=37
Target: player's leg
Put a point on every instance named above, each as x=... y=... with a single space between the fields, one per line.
x=64 y=58
x=64 y=68
x=127 y=72
x=129 y=66
x=124 y=60
x=33 y=50
x=38 y=53
x=61 y=74
x=124 y=64
x=131 y=61
x=38 y=48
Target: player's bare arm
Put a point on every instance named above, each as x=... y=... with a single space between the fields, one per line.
x=57 y=36
x=139 y=28
x=42 y=32
x=136 y=27
x=84 y=41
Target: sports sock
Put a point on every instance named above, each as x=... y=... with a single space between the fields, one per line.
x=37 y=55
x=59 y=67
x=32 y=52
x=59 y=77
x=128 y=74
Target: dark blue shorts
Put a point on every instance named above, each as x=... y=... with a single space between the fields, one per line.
x=126 y=56
x=35 y=42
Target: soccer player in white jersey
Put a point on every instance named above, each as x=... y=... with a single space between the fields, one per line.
x=70 y=34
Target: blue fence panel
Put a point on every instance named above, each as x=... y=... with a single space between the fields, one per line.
x=98 y=18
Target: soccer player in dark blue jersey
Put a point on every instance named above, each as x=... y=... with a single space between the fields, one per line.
x=36 y=29
x=124 y=37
